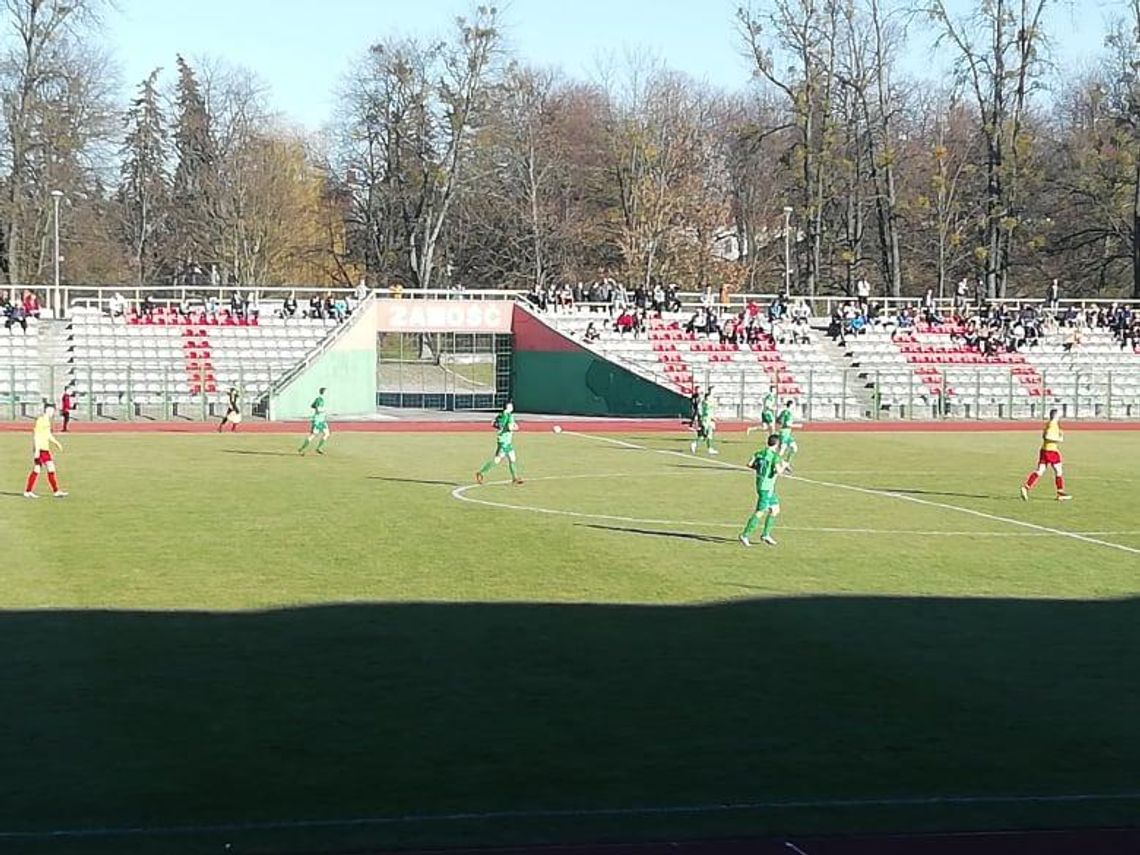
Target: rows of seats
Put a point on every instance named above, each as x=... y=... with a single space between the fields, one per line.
x=739 y=375
x=1095 y=378
x=930 y=366
x=20 y=374
x=182 y=361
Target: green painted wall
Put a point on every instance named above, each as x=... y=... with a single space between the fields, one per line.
x=349 y=375
x=578 y=382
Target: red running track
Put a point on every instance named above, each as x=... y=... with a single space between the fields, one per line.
x=545 y=423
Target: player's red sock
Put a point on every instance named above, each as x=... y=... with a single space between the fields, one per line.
x=54 y=483
x=31 y=485
x=1031 y=480
x=1060 y=482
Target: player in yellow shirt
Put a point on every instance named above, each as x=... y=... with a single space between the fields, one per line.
x=42 y=441
x=1051 y=438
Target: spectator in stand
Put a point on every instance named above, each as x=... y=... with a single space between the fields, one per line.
x=835 y=325
x=146 y=308
x=15 y=314
x=327 y=306
x=289 y=307
x=776 y=309
x=1053 y=296
x=591 y=335
x=118 y=305
x=930 y=308
x=979 y=292
x=658 y=298
x=640 y=298
x=672 y=298
x=31 y=305
x=728 y=331
x=708 y=298
x=361 y=292
x=625 y=322
x=396 y=292
x=863 y=293
x=316 y=307
x=906 y=318
x=566 y=297
x=184 y=307
x=712 y=322
x=212 y=306
x=961 y=297
x=340 y=308
x=236 y=307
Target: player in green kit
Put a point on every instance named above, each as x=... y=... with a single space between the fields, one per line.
x=505 y=427
x=785 y=421
x=767 y=413
x=318 y=424
x=706 y=426
x=768 y=466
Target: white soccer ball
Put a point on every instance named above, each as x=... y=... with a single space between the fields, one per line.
x=558 y=428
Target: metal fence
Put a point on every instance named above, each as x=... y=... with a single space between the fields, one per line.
x=906 y=395
x=129 y=391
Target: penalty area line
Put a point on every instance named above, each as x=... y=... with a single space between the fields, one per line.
x=566 y=813
x=1072 y=535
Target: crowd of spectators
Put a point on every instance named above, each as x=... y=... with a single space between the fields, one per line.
x=606 y=293
x=16 y=312
x=989 y=328
x=245 y=305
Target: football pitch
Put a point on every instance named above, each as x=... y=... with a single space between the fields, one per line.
x=214 y=641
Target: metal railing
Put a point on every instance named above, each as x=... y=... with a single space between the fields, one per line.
x=955 y=393
x=128 y=391
x=99 y=296
x=124 y=390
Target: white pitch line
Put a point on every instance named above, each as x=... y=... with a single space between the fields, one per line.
x=1108 y=544
x=794 y=848
x=461 y=493
x=564 y=813
x=970 y=511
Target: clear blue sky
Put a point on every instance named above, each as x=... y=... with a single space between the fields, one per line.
x=302 y=48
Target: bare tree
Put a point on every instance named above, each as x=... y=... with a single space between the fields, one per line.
x=999 y=56
x=53 y=91
x=801 y=36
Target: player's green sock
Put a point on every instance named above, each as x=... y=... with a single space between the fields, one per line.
x=769 y=522
x=514 y=471
x=304 y=444
x=321 y=444
x=487 y=466
x=791 y=453
x=750 y=526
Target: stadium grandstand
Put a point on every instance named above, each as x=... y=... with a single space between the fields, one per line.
x=173 y=356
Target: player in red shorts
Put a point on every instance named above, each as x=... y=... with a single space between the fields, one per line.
x=1051 y=438
x=42 y=442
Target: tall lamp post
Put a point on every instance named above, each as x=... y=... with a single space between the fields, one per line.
x=787 y=251
x=56 y=195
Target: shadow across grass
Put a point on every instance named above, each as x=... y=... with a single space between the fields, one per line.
x=645 y=532
x=909 y=491
x=393 y=711
x=422 y=481
x=255 y=453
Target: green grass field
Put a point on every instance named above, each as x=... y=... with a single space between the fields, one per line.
x=212 y=631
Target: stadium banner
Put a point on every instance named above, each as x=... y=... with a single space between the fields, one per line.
x=444 y=316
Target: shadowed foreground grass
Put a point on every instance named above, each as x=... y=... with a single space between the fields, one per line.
x=212 y=631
